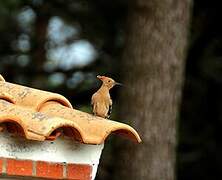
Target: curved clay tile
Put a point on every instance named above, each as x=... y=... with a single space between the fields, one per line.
x=30 y=97
x=1 y=78
x=44 y=115
x=94 y=129
x=36 y=125
x=7 y=97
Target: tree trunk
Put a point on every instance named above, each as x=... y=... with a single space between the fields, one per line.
x=39 y=51
x=152 y=69
x=39 y=42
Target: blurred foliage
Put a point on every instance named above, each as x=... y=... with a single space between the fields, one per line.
x=62 y=45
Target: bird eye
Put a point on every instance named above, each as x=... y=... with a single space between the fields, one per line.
x=109 y=81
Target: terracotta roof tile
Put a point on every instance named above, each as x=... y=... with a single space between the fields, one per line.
x=40 y=115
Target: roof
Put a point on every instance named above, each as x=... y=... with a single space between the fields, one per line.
x=41 y=115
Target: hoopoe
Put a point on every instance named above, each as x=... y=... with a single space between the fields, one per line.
x=101 y=100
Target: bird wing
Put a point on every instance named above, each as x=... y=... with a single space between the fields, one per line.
x=110 y=108
x=109 y=111
x=93 y=104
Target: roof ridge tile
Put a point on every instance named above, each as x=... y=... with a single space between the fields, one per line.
x=40 y=113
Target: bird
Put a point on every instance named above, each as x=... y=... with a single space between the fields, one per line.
x=101 y=101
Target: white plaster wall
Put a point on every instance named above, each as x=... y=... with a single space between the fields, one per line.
x=61 y=150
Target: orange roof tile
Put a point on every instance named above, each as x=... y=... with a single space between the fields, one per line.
x=40 y=115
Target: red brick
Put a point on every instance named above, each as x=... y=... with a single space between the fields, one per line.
x=19 y=167
x=49 y=170
x=79 y=171
x=1 y=163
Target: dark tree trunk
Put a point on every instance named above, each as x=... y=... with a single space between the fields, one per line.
x=39 y=51
x=152 y=68
x=39 y=42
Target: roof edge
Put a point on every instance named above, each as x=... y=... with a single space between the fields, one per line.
x=77 y=132
x=124 y=130
x=15 y=121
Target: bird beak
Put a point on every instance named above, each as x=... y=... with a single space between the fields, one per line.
x=99 y=77
x=120 y=84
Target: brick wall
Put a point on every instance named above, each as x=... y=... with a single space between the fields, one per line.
x=62 y=158
x=27 y=168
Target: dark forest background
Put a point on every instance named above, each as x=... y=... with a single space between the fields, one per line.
x=61 y=46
